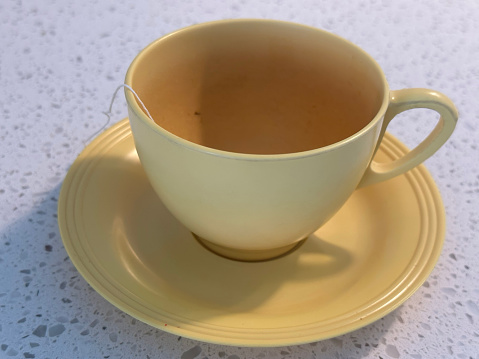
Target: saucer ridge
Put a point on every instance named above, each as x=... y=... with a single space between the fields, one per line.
x=361 y=265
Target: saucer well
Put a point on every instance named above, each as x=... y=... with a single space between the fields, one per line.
x=365 y=262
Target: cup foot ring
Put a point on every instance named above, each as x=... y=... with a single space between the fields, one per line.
x=249 y=255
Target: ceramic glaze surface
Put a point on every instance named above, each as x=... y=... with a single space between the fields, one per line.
x=150 y=266
x=248 y=204
x=257 y=169
x=60 y=63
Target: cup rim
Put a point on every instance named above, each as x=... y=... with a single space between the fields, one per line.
x=131 y=100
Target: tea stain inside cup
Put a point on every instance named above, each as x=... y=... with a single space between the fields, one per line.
x=258 y=90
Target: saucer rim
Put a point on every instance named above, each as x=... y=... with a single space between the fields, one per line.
x=385 y=302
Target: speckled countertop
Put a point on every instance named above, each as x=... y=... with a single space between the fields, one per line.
x=60 y=62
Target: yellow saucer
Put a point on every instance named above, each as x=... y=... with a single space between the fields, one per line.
x=360 y=266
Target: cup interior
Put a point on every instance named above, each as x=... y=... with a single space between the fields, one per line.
x=258 y=87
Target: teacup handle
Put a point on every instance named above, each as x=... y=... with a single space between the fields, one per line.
x=402 y=100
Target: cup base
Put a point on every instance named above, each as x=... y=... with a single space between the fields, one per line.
x=249 y=255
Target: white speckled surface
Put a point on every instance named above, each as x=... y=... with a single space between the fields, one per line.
x=60 y=61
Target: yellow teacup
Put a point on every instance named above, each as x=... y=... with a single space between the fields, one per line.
x=263 y=129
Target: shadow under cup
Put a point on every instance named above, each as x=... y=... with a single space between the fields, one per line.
x=258 y=87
